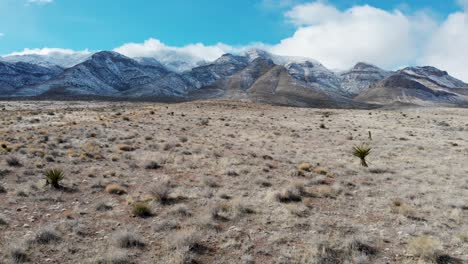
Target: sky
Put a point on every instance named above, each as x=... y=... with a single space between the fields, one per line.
x=338 y=33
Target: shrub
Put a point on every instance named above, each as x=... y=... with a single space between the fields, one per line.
x=3 y=222
x=13 y=162
x=115 y=189
x=141 y=209
x=161 y=193
x=53 y=177
x=304 y=167
x=103 y=207
x=152 y=165
x=362 y=152
x=46 y=236
x=189 y=240
x=18 y=254
x=292 y=194
x=128 y=239
x=424 y=246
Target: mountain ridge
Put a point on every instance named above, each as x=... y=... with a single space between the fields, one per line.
x=254 y=75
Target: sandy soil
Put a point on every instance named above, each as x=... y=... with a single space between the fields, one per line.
x=225 y=182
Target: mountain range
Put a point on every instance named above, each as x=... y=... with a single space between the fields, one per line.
x=255 y=75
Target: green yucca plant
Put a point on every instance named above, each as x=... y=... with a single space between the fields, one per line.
x=53 y=177
x=362 y=152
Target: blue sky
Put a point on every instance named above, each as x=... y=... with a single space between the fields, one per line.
x=338 y=33
x=105 y=24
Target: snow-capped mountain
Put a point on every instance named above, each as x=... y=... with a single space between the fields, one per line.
x=225 y=66
x=417 y=85
x=14 y=76
x=255 y=75
x=106 y=73
x=359 y=78
x=432 y=76
x=62 y=59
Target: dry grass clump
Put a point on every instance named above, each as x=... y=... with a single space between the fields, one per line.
x=125 y=148
x=152 y=165
x=127 y=239
x=46 y=236
x=400 y=207
x=3 y=221
x=304 y=167
x=356 y=251
x=425 y=247
x=115 y=189
x=221 y=212
x=2 y=189
x=18 y=254
x=210 y=182
x=141 y=209
x=102 y=207
x=115 y=256
x=13 y=162
x=182 y=210
x=189 y=240
x=291 y=194
x=161 y=193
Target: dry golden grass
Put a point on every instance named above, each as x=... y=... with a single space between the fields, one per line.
x=232 y=182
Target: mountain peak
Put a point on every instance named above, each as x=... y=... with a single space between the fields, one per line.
x=424 y=71
x=255 y=53
x=364 y=66
x=230 y=58
x=108 y=54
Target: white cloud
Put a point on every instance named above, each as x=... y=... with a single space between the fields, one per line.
x=192 y=54
x=48 y=51
x=312 y=13
x=155 y=48
x=447 y=48
x=339 y=39
x=41 y=2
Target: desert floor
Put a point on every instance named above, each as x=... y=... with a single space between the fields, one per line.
x=225 y=182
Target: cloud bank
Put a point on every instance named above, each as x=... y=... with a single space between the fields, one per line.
x=341 y=38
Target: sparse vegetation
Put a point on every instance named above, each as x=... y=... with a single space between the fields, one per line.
x=161 y=193
x=128 y=239
x=46 y=236
x=13 y=162
x=426 y=247
x=115 y=189
x=152 y=165
x=291 y=194
x=257 y=184
x=141 y=209
x=54 y=177
x=18 y=254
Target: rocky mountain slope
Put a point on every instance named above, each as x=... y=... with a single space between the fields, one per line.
x=359 y=78
x=255 y=75
x=14 y=76
x=62 y=59
x=417 y=85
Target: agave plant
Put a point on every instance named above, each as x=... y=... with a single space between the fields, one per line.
x=53 y=177
x=362 y=152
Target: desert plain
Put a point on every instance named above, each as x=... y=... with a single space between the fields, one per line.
x=231 y=182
